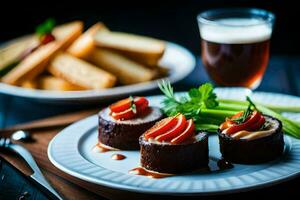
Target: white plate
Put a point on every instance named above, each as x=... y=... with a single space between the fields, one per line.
x=71 y=151
x=176 y=58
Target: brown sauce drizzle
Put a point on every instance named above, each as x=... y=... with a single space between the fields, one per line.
x=100 y=148
x=118 y=157
x=143 y=172
x=214 y=165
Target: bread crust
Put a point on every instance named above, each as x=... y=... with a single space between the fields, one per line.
x=80 y=72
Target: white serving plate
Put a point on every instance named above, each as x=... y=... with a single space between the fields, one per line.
x=71 y=152
x=177 y=59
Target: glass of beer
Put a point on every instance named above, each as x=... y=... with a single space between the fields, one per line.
x=235 y=45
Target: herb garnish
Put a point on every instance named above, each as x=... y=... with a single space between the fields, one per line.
x=189 y=105
x=46 y=27
x=132 y=105
x=246 y=113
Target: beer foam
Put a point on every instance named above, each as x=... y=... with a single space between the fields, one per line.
x=236 y=31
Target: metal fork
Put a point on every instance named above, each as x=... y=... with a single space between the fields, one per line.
x=37 y=175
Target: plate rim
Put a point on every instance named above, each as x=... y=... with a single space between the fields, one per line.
x=121 y=186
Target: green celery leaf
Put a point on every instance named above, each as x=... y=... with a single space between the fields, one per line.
x=194 y=93
x=208 y=96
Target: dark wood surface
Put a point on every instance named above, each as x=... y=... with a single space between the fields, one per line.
x=281 y=76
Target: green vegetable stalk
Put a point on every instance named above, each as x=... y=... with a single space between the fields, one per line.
x=208 y=112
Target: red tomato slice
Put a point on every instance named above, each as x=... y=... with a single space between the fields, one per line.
x=161 y=127
x=121 y=105
x=258 y=124
x=141 y=104
x=229 y=121
x=125 y=104
x=237 y=115
x=175 y=131
x=227 y=124
x=127 y=114
x=187 y=133
x=235 y=128
x=141 y=101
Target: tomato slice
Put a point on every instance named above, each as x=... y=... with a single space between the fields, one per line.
x=141 y=101
x=175 y=131
x=238 y=127
x=161 y=127
x=258 y=124
x=120 y=105
x=127 y=114
x=228 y=123
x=141 y=104
x=187 y=133
x=125 y=104
x=237 y=115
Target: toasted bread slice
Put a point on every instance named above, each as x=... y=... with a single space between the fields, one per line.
x=36 y=62
x=13 y=49
x=141 y=48
x=162 y=71
x=68 y=32
x=80 y=73
x=32 y=65
x=126 y=70
x=11 y=52
x=150 y=62
x=32 y=84
x=83 y=46
x=48 y=82
x=58 y=84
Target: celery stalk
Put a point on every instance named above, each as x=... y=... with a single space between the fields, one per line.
x=218 y=113
x=280 y=109
x=207 y=127
x=230 y=106
x=277 y=108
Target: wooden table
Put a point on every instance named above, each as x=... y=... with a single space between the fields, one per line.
x=282 y=76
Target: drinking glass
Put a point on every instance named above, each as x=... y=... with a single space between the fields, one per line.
x=235 y=45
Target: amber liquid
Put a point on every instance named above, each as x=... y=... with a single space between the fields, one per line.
x=236 y=64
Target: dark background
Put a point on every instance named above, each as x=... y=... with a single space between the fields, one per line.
x=169 y=20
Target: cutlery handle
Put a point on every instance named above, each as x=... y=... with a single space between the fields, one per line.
x=37 y=174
